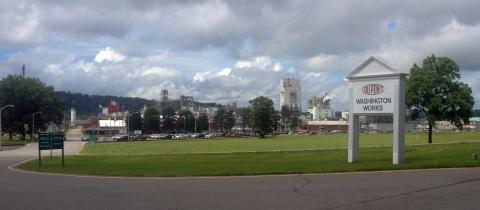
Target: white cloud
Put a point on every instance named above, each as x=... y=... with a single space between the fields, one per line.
x=224 y=72
x=262 y=63
x=228 y=50
x=108 y=54
x=277 y=67
x=160 y=72
x=322 y=62
x=201 y=76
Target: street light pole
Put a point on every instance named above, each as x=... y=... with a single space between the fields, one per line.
x=128 y=126
x=7 y=106
x=183 y=124
x=33 y=124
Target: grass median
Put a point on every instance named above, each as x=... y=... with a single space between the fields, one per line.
x=277 y=143
x=255 y=163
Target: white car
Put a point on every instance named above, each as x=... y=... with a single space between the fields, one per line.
x=156 y=136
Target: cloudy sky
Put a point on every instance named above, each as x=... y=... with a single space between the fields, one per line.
x=229 y=51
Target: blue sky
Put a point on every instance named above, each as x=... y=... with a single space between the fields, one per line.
x=229 y=51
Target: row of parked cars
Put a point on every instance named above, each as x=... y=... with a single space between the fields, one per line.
x=136 y=137
x=124 y=137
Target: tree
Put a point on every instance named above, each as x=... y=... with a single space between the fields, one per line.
x=168 y=120
x=224 y=119
x=228 y=120
x=219 y=118
x=246 y=117
x=202 y=123
x=286 y=114
x=289 y=118
x=262 y=115
x=294 y=121
x=434 y=89
x=152 y=120
x=276 y=120
x=28 y=95
x=185 y=121
x=135 y=122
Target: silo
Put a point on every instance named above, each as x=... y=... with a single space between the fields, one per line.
x=73 y=117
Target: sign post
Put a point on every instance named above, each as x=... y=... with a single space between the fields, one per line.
x=376 y=88
x=50 y=141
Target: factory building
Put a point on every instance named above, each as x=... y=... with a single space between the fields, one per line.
x=319 y=108
x=291 y=94
x=324 y=126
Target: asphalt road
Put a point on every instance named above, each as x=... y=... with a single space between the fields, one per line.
x=421 y=189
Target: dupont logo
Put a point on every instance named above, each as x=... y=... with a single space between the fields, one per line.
x=372 y=89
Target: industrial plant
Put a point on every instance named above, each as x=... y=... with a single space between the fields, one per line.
x=291 y=94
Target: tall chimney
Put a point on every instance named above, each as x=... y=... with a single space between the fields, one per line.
x=23 y=71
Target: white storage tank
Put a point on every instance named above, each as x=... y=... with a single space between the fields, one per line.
x=73 y=117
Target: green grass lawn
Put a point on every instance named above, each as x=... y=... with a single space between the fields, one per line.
x=278 y=143
x=6 y=141
x=314 y=161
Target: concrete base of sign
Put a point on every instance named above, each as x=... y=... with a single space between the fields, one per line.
x=353 y=138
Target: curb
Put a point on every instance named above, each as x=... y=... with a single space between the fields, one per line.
x=14 y=168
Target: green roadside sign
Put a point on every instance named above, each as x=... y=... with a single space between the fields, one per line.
x=50 y=141
x=44 y=142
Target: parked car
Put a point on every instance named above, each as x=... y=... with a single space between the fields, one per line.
x=167 y=136
x=120 y=137
x=138 y=137
x=156 y=136
x=179 y=136
x=198 y=135
x=209 y=136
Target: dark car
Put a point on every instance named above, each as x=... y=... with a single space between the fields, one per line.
x=166 y=136
x=138 y=137
x=121 y=137
x=198 y=135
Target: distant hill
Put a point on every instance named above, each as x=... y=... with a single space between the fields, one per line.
x=87 y=105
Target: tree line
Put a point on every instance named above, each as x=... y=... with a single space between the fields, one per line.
x=87 y=105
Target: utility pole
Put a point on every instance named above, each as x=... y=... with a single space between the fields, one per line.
x=25 y=130
x=183 y=124
x=33 y=124
x=128 y=126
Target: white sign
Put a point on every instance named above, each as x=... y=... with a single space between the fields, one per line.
x=373 y=97
x=375 y=87
x=111 y=123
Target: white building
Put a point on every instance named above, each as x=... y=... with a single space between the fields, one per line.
x=290 y=93
x=345 y=115
x=319 y=108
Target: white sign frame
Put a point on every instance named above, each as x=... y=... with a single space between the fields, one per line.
x=364 y=84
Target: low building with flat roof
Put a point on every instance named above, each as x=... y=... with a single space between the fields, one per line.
x=323 y=126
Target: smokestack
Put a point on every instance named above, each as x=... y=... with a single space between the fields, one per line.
x=23 y=71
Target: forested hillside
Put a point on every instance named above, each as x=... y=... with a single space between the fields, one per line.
x=89 y=104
